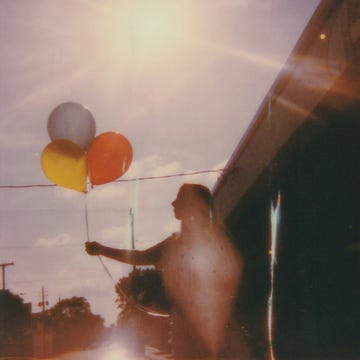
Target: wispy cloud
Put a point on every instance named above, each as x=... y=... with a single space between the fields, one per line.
x=110 y=191
x=153 y=165
x=166 y=169
x=209 y=179
x=58 y=240
x=113 y=233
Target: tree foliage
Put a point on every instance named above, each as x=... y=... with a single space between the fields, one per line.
x=15 y=324
x=142 y=287
x=139 y=294
x=75 y=326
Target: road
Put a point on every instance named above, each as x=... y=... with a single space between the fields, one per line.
x=112 y=352
x=106 y=352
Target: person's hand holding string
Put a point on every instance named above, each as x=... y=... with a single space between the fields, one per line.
x=93 y=248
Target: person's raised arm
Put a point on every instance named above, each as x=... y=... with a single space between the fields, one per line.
x=132 y=257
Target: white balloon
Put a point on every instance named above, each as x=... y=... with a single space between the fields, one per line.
x=74 y=122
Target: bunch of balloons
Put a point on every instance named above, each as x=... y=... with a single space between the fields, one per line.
x=75 y=153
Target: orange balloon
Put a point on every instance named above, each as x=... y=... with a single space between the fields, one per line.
x=108 y=157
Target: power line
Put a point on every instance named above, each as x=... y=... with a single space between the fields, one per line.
x=38 y=246
x=119 y=180
x=171 y=175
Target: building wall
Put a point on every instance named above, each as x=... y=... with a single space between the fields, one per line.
x=316 y=292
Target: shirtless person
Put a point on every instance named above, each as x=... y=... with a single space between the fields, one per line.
x=201 y=271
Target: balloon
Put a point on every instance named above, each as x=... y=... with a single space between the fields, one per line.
x=64 y=163
x=109 y=156
x=72 y=121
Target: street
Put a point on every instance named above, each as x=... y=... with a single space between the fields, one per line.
x=112 y=352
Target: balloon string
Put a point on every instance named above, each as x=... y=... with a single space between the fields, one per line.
x=138 y=306
x=88 y=239
x=128 y=298
x=86 y=219
x=106 y=269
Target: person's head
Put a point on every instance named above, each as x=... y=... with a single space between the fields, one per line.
x=194 y=202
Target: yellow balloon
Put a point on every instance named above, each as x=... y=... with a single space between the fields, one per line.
x=64 y=163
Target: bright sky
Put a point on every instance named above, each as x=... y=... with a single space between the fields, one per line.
x=180 y=79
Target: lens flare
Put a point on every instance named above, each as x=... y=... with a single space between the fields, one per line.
x=274 y=225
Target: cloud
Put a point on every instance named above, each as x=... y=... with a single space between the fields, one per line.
x=208 y=179
x=113 y=233
x=143 y=167
x=110 y=191
x=104 y=192
x=153 y=165
x=167 y=169
x=58 y=240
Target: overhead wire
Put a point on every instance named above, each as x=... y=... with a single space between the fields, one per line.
x=198 y=172
x=136 y=305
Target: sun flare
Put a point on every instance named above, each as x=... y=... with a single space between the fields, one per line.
x=154 y=26
x=147 y=31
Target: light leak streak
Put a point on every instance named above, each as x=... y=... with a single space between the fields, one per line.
x=133 y=214
x=274 y=226
x=241 y=54
x=295 y=108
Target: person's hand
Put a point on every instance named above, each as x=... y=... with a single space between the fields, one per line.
x=93 y=248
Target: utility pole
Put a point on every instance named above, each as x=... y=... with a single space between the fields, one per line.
x=3 y=266
x=131 y=213
x=43 y=302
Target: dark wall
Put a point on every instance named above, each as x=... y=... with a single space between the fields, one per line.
x=316 y=300
x=317 y=285
x=249 y=226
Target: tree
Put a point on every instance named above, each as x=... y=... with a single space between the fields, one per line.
x=143 y=287
x=140 y=294
x=76 y=327
x=15 y=325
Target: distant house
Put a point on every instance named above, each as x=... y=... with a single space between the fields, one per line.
x=300 y=160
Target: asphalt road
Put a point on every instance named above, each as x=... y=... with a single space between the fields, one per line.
x=105 y=352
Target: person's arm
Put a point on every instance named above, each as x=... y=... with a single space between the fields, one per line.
x=132 y=257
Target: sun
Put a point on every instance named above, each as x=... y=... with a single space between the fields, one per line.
x=155 y=26
x=156 y=30
x=143 y=45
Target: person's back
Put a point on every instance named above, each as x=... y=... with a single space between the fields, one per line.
x=201 y=271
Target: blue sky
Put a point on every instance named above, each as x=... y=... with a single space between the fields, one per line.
x=181 y=80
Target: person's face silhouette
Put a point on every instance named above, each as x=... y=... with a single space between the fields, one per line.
x=188 y=204
x=180 y=205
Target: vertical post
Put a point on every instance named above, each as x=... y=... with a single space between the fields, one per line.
x=3 y=266
x=43 y=299
x=43 y=302
x=131 y=213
